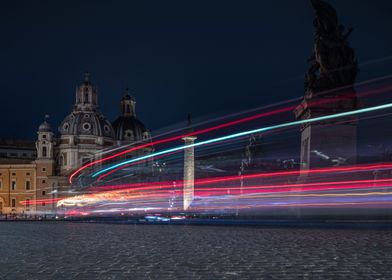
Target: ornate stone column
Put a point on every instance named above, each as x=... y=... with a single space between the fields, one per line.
x=189 y=171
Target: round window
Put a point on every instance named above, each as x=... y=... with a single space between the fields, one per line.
x=128 y=134
x=86 y=126
x=65 y=126
x=106 y=128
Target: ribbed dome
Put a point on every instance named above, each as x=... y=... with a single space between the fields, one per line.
x=128 y=128
x=86 y=123
x=45 y=127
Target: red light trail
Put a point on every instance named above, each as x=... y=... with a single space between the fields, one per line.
x=169 y=184
x=232 y=123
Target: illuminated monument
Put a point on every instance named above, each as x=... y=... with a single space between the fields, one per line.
x=329 y=89
x=189 y=169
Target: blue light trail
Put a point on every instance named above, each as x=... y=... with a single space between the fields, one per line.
x=244 y=133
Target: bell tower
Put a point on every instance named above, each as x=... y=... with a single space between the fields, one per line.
x=45 y=166
x=44 y=144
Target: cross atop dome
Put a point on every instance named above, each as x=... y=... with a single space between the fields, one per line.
x=87 y=78
x=127 y=95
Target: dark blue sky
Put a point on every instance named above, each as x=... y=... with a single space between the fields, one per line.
x=201 y=57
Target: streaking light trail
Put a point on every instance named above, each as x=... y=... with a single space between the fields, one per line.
x=166 y=140
x=151 y=198
x=282 y=110
x=219 y=180
x=232 y=123
x=245 y=133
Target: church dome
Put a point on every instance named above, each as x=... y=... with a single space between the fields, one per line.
x=86 y=123
x=45 y=127
x=128 y=128
x=85 y=119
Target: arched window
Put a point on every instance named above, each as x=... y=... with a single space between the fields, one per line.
x=44 y=152
x=63 y=160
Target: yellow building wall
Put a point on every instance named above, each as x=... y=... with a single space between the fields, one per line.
x=45 y=169
x=20 y=174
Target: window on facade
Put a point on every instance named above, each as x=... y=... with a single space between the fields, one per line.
x=85 y=160
x=27 y=203
x=13 y=174
x=27 y=173
x=44 y=152
x=43 y=181
x=86 y=126
x=13 y=185
x=44 y=136
x=13 y=202
x=43 y=169
x=128 y=134
x=43 y=192
x=63 y=160
x=27 y=185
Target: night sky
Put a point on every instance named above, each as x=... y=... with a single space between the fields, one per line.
x=176 y=57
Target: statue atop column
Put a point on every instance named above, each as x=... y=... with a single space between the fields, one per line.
x=332 y=63
x=329 y=89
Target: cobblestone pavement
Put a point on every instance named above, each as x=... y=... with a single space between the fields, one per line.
x=44 y=250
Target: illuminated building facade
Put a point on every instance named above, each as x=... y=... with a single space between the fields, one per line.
x=17 y=183
x=42 y=176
